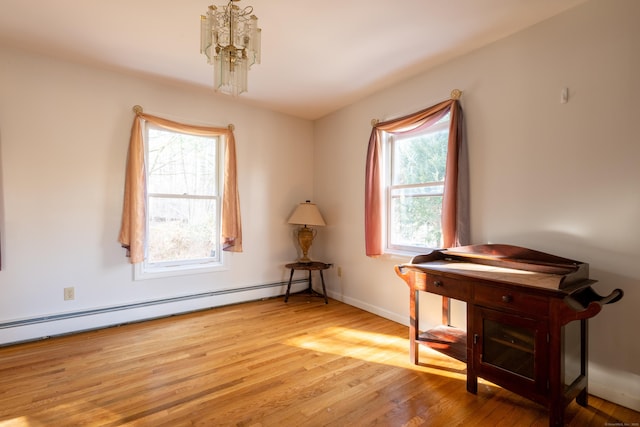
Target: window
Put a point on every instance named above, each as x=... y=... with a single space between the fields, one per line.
x=182 y=206
x=183 y=201
x=415 y=180
x=400 y=177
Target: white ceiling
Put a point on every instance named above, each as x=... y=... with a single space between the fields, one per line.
x=317 y=56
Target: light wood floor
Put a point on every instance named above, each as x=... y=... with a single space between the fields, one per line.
x=263 y=363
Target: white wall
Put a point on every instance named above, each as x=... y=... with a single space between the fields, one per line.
x=64 y=133
x=560 y=178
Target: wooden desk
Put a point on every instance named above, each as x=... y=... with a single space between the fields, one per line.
x=527 y=317
x=310 y=267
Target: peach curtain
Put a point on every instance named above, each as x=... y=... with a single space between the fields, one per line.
x=132 y=227
x=455 y=218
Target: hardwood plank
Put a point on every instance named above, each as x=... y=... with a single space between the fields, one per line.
x=264 y=363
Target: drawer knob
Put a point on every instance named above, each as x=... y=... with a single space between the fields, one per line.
x=437 y=283
x=507 y=298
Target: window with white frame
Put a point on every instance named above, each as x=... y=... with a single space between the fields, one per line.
x=183 y=176
x=415 y=174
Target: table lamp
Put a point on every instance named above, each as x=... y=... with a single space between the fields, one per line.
x=305 y=214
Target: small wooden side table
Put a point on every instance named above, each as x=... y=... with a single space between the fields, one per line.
x=310 y=267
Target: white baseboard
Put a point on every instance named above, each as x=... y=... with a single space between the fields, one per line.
x=403 y=320
x=622 y=388
x=36 y=328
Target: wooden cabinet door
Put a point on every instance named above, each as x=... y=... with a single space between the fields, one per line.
x=512 y=352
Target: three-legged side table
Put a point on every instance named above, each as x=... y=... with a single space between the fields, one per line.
x=310 y=267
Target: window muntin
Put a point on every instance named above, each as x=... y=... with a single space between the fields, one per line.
x=183 y=200
x=415 y=186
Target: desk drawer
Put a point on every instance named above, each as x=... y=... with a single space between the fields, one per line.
x=448 y=287
x=494 y=297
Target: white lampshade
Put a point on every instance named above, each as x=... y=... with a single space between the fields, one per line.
x=307 y=214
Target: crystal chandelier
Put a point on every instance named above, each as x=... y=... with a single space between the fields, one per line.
x=230 y=38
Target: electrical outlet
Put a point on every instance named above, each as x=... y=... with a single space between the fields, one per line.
x=69 y=293
x=339 y=271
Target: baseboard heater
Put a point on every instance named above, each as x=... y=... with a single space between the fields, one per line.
x=71 y=315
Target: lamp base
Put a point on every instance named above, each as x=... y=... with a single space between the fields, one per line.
x=305 y=238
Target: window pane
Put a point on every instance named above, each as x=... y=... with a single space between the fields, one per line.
x=180 y=163
x=416 y=174
x=416 y=221
x=181 y=229
x=420 y=159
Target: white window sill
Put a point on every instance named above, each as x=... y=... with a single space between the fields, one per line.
x=142 y=272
